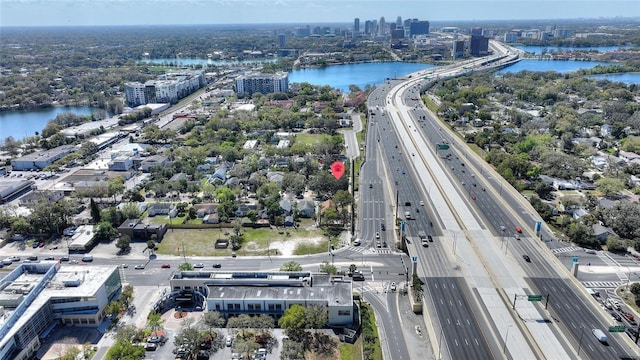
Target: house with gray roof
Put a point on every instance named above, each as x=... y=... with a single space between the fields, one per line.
x=306 y=209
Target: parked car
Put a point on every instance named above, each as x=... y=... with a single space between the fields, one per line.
x=64 y=258
x=150 y=346
x=35 y=245
x=228 y=341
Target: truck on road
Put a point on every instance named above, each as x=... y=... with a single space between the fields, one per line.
x=600 y=335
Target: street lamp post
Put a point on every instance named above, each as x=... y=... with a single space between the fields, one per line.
x=580 y=342
x=440 y=341
x=506 y=337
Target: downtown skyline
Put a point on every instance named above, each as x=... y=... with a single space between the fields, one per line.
x=174 y=12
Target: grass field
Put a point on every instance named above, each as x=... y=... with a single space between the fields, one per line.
x=200 y=242
x=310 y=139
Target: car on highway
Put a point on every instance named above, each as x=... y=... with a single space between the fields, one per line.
x=139 y=267
x=421 y=203
x=358 y=276
x=124 y=266
x=382 y=227
x=32 y=258
x=616 y=316
x=430 y=238
x=198 y=266
x=377 y=235
x=166 y=266
x=526 y=258
x=518 y=229
x=49 y=258
x=217 y=266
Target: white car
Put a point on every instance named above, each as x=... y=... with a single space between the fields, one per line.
x=228 y=341
x=393 y=286
x=421 y=203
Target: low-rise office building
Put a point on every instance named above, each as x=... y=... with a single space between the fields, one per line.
x=41 y=159
x=255 y=293
x=36 y=297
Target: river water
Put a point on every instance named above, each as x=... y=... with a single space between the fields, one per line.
x=25 y=123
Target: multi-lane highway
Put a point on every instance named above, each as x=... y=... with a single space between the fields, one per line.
x=409 y=136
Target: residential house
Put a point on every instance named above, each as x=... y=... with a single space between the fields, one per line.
x=286 y=207
x=162 y=209
x=275 y=177
x=203 y=210
x=153 y=161
x=37 y=196
x=579 y=213
x=306 y=209
x=212 y=218
x=628 y=156
x=601 y=232
x=288 y=220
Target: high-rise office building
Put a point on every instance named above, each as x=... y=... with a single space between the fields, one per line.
x=476 y=31
x=356 y=25
x=479 y=45
x=419 y=28
x=282 y=40
x=399 y=22
x=381 y=26
x=368 y=27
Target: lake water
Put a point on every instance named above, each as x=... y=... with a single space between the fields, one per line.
x=555 y=49
x=361 y=75
x=20 y=124
x=552 y=65
x=627 y=78
x=25 y=123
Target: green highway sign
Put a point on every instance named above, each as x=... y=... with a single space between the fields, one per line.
x=534 y=297
x=443 y=147
x=617 y=328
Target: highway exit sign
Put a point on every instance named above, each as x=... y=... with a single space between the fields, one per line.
x=617 y=328
x=443 y=146
x=534 y=297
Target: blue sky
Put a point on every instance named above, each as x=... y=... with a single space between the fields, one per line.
x=159 y=12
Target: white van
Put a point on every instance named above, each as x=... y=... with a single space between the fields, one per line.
x=87 y=258
x=600 y=335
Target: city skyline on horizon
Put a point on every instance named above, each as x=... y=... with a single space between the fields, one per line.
x=234 y=12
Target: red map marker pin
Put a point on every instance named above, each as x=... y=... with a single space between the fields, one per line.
x=337 y=169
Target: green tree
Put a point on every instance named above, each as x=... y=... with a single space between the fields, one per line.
x=123 y=243
x=241 y=322
x=95 y=211
x=131 y=211
x=126 y=295
x=316 y=317
x=189 y=337
x=213 y=320
x=124 y=350
x=615 y=244
x=294 y=322
x=115 y=186
x=291 y=266
x=610 y=187
x=327 y=268
x=154 y=320
x=185 y=266
x=105 y=232
x=635 y=289
x=114 y=308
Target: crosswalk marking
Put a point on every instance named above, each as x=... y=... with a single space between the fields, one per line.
x=565 y=249
x=602 y=284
